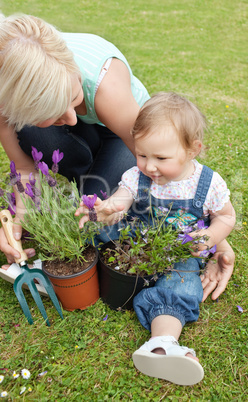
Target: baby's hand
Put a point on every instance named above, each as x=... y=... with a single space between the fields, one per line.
x=205 y=242
x=83 y=209
x=105 y=211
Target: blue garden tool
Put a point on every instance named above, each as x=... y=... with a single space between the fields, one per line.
x=28 y=275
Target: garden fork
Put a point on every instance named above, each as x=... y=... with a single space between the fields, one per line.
x=28 y=275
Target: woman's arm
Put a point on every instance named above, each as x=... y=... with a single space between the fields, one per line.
x=114 y=102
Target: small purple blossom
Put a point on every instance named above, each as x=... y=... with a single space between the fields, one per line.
x=212 y=250
x=14 y=176
x=186 y=239
x=105 y=318
x=201 y=224
x=20 y=187
x=240 y=309
x=204 y=253
x=37 y=156
x=51 y=181
x=32 y=180
x=104 y=195
x=13 y=168
x=88 y=201
x=186 y=229
x=42 y=374
x=12 y=203
x=29 y=191
x=57 y=156
x=43 y=168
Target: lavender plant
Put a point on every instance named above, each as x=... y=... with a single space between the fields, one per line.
x=50 y=205
x=154 y=249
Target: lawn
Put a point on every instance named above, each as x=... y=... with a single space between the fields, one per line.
x=197 y=48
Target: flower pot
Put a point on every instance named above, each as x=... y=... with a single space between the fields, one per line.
x=79 y=290
x=118 y=289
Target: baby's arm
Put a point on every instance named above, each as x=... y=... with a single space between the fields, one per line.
x=221 y=225
x=108 y=211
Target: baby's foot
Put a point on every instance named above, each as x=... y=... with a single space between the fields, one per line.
x=162 y=357
x=160 y=351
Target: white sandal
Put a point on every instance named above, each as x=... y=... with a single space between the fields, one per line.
x=14 y=270
x=174 y=366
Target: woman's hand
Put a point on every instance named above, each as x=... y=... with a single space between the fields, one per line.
x=9 y=251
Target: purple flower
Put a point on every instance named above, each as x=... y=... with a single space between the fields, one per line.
x=12 y=203
x=92 y=215
x=42 y=374
x=51 y=181
x=212 y=250
x=32 y=180
x=105 y=318
x=43 y=168
x=14 y=176
x=240 y=309
x=186 y=239
x=29 y=191
x=104 y=195
x=201 y=224
x=89 y=202
x=13 y=168
x=186 y=229
x=20 y=187
x=204 y=253
x=37 y=156
x=1 y=192
x=57 y=157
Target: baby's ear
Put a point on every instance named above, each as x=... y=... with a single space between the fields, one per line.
x=196 y=148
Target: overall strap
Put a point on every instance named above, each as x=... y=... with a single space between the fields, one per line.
x=203 y=187
x=144 y=187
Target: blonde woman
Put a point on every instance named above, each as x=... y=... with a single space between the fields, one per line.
x=72 y=92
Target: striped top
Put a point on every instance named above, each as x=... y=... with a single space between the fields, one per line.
x=90 y=53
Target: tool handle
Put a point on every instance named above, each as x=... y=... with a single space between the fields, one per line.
x=7 y=224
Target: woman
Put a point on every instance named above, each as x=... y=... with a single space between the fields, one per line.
x=75 y=92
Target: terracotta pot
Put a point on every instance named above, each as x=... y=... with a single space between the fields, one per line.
x=77 y=291
x=118 y=289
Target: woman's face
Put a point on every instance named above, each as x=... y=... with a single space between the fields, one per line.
x=69 y=117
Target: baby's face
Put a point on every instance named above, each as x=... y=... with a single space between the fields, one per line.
x=161 y=156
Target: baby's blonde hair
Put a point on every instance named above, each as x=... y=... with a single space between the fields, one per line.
x=166 y=108
x=36 y=69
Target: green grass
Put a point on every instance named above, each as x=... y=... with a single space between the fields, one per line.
x=198 y=48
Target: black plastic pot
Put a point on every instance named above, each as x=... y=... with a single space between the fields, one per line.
x=118 y=289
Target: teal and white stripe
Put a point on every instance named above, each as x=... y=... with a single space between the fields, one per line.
x=90 y=53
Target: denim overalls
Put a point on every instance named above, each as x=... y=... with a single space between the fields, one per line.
x=171 y=295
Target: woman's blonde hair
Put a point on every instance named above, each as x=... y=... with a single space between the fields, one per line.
x=36 y=69
x=170 y=108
